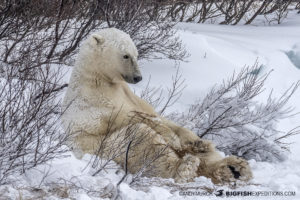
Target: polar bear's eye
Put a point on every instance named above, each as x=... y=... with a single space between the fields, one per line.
x=125 y=56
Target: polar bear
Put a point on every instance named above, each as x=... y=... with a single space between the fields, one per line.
x=104 y=117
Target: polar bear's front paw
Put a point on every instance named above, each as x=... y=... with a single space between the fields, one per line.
x=232 y=169
x=198 y=146
x=187 y=170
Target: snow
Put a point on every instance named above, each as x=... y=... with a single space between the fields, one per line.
x=216 y=51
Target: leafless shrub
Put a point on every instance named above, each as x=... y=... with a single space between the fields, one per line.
x=144 y=20
x=258 y=8
x=236 y=123
x=50 y=28
x=193 y=10
x=118 y=142
x=111 y=149
x=231 y=118
x=178 y=10
x=64 y=188
x=279 y=9
x=297 y=7
x=153 y=95
x=202 y=11
x=227 y=11
x=163 y=98
x=60 y=26
x=29 y=113
x=233 y=10
x=30 y=87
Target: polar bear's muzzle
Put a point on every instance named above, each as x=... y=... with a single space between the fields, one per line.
x=133 y=79
x=132 y=74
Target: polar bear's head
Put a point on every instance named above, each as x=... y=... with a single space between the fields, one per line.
x=112 y=53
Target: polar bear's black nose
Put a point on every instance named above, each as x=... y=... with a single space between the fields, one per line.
x=137 y=79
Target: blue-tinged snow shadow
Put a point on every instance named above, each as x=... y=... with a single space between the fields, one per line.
x=258 y=70
x=294 y=56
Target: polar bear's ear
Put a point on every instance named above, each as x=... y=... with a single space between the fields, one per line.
x=98 y=39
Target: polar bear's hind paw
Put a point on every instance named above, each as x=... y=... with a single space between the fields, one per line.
x=236 y=174
x=231 y=169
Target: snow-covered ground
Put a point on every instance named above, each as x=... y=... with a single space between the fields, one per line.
x=216 y=51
